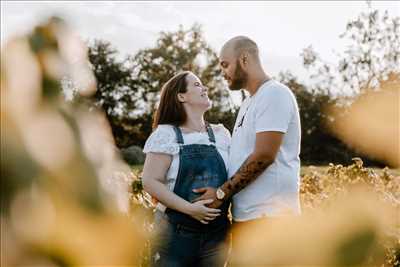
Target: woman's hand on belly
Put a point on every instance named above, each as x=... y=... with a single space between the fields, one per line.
x=201 y=212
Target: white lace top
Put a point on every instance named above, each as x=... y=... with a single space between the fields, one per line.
x=163 y=140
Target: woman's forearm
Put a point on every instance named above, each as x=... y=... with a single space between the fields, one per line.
x=158 y=190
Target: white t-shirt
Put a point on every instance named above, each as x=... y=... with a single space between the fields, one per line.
x=163 y=140
x=276 y=191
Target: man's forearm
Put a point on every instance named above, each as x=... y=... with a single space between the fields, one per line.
x=251 y=168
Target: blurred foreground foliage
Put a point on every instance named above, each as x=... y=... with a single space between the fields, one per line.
x=64 y=190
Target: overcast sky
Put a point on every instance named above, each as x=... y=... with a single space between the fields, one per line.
x=281 y=29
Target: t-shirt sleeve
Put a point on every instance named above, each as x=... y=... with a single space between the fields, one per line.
x=162 y=140
x=274 y=111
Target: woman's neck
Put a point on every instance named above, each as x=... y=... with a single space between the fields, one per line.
x=195 y=121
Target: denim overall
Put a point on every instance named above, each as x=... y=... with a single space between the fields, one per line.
x=185 y=241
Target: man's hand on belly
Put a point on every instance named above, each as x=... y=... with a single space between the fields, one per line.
x=208 y=193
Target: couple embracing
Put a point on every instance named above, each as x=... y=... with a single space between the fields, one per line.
x=196 y=170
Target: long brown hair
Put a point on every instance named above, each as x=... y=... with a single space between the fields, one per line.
x=170 y=110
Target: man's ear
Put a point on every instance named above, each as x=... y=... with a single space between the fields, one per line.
x=244 y=60
x=181 y=98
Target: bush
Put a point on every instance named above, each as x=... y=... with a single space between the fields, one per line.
x=319 y=146
x=133 y=155
x=321 y=189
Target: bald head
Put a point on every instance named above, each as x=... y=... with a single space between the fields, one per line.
x=241 y=65
x=241 y=44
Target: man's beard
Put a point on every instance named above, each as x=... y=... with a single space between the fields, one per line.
x=239 y=79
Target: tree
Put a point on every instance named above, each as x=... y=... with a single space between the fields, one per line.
x=129 y=89
x=117 y=92
x=372 y=55
x=179 y=51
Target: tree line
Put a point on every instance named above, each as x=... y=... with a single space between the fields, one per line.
x=128 y=89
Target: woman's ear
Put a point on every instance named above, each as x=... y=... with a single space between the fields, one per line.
x=181 y=98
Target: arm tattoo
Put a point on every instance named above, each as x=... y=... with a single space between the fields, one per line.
x=247 y=173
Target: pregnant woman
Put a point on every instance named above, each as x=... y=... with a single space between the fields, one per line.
x=185 y=152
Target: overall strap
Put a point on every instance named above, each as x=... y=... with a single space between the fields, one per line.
x=210 y=132
x=179 y=135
